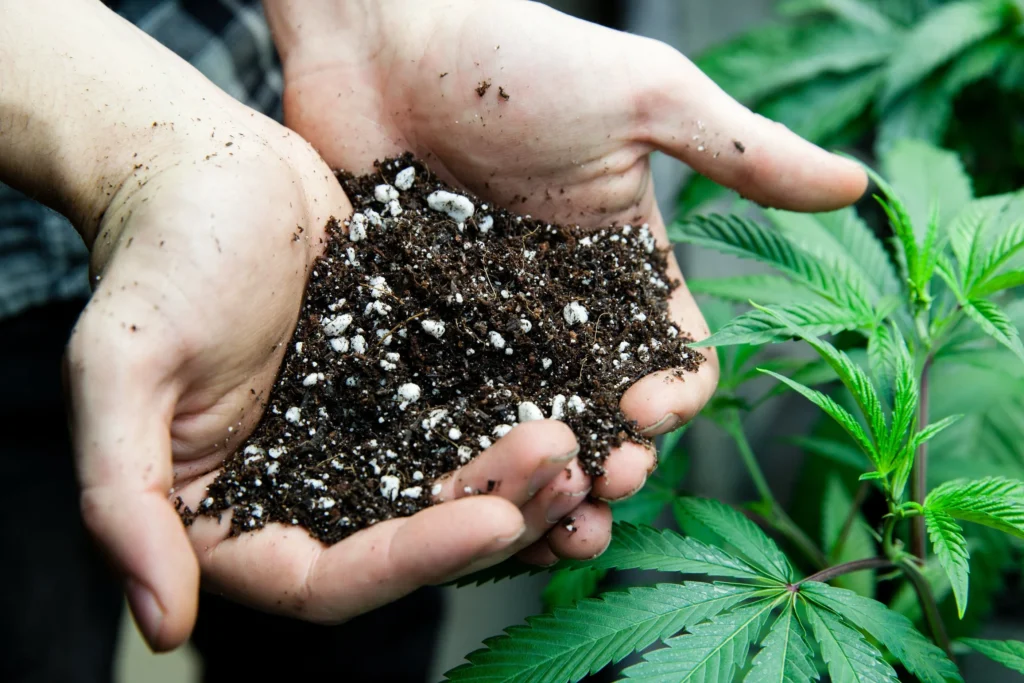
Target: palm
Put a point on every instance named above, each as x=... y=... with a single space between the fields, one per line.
x=563 y=131
x=566 y=144
x=569 y=143
x=201 y=267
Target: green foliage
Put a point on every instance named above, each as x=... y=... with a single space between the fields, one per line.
x=925 y=390
x=892 y=630
x=1009 y=653
x=758 y=327
x=841 y=239
x=924 y=176
x=748 y=239
x=885 y=72
x=709 y=653
x=784 y=656
x=708 y=628
x=571 y=643
x=568 y=586
x=837 y=505
x=994 y=502
x=942 y=35
x=849 y=657
x=951 y=549
x=740 y=533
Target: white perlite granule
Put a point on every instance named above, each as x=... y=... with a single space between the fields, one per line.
x=501 y=430
x=407 y=393
x=497 y=341
x=574 y=313
x=558 y=407
x=528 y=411
x=435 y=328
x=336 y=326
x=389 y=486
x=457 y=207
x=405 y=178
x=357 y=227
x=385 y=193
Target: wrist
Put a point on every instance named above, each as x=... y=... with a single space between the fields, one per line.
x=302 y=28
x=90 y=104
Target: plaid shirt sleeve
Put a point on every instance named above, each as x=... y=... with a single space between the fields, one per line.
x=42 y=259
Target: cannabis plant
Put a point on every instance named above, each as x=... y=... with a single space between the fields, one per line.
x=867 y=73
x=747 y=593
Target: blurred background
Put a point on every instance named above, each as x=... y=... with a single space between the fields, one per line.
x=813 y=64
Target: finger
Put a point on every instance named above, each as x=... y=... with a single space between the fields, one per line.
x=517 y=466
x=665 y=400
x=120 y=415
x=584 y=534
x=282 y=569
x=562 y=495
x=558 y=498
x=538 y=553
x=687 y=115
x=625 y=470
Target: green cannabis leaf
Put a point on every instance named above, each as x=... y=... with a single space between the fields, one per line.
x=995 y=502
x=850 y=658
x=944 y=33
x=747 y=239
x=784 y=656
x=710 y=653
x=1009 y=653
x=739 y=532
x=758 y=327
x=892 y=630
x=571 y=643
x=951 y=548
x=764 y=289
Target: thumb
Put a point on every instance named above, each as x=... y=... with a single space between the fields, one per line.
x=119 y=420
x=689 y=117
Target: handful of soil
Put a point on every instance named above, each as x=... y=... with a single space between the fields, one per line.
x=433 y=323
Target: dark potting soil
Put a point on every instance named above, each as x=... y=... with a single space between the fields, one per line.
x=434 y=323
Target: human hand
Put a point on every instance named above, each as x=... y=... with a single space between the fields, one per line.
x=585 y=107
x=203 y=218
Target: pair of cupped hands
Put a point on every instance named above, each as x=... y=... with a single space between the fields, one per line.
x=199 y=281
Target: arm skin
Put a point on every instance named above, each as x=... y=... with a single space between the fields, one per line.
x=189 y=202
x=586 y=107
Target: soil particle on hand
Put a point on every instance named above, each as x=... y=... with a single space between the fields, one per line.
x=740 y=147
x=503 y=94
x=482 y=88
x=434 y=323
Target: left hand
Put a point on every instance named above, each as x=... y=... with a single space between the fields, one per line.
x=585 y=107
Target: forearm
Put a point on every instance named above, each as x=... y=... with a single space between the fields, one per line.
x=313 y=24
x=87 y=99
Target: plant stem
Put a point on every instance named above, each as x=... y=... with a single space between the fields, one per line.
x=848 y=568
x=779 y=519
x=929 y=608
x=919 y=484
x=851 y=517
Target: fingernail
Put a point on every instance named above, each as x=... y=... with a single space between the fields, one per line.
x=666 y=424
x=506 y=540
x=563 y=504
x=601 y=551
x=148 y=614
x=625 y=495
x=548 y=469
